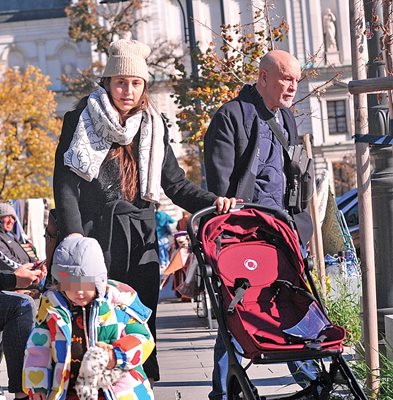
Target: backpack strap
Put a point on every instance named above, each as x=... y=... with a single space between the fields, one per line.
x=279 y=135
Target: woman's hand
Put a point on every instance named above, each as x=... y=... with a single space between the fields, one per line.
x=224 y=204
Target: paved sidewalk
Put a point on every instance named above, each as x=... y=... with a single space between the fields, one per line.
x=185 y=354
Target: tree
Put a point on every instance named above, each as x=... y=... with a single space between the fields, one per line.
x=223 y=70
x=28 y=134
x=222 y=73
x=100 y=24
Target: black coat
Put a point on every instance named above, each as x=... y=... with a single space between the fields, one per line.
x=80 y=204
x=7 y=280
x=12 y=249
x=231 y=148
x=231 y=144
x=126 y=231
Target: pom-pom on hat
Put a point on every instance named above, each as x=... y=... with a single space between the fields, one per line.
x=127 y=57
x=80 y=259
x=7 y=209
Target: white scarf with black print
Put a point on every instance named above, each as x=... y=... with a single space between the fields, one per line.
x=99 y=127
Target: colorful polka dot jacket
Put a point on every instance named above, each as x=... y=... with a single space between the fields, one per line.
x=118 y=319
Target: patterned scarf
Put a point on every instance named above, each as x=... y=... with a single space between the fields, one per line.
x=99 y=127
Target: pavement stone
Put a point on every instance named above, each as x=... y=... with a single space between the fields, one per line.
x=185 y=354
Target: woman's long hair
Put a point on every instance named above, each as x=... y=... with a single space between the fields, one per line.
x=127 y=155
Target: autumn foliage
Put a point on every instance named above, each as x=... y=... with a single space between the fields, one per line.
x=28 y=134
x=100 y=24
x=223 y=70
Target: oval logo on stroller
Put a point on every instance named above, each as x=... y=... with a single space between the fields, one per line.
x=250 y=264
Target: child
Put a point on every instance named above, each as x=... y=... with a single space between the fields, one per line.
x=82 y=311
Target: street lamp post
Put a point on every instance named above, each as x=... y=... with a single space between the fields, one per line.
x=382 y=177
x=189 y=33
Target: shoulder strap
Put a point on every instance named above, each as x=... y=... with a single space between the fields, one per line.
x=279 y=135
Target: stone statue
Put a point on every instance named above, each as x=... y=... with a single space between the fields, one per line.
x=329 y=30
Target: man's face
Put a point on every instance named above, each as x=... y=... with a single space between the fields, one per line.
x=8 y=222
x=279 y=84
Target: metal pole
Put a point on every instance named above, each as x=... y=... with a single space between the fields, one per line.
x=369 y=298
x=317 y=234
x=382 y=177
x=191 y=35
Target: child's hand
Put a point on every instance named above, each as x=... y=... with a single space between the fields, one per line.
x=111 y=354
x=39 y=396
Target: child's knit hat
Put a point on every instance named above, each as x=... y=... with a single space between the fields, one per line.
x=80 y=259
x=127 y=57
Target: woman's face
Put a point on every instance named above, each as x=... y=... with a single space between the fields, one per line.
x=8 y=222
x=126 y=92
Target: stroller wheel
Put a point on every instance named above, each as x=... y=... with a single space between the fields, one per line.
x=340 y=383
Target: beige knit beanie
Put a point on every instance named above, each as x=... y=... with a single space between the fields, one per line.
x=127 y=57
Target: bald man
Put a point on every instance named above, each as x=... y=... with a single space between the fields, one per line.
x=245 y=159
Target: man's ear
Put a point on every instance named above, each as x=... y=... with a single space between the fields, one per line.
x=262 y=77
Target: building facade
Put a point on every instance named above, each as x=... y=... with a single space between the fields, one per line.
x=37 y=33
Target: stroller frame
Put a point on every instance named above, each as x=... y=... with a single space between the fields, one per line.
x=239 y=386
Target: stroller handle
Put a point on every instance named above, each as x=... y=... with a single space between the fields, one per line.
x=282 y=215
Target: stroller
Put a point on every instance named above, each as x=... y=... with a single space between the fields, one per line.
x=263 y=295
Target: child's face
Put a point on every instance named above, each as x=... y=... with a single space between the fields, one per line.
x=80 y=294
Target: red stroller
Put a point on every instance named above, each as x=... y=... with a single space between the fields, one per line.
x=263 y=296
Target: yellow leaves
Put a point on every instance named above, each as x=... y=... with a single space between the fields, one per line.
x=28 y=134
x=224 y=68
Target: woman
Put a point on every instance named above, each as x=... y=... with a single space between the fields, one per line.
x=12 y=254
x=111 y=160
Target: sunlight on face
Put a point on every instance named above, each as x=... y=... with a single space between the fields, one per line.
x=79 y=293
x=279 y=83
x=8 y=222
x=126 y=92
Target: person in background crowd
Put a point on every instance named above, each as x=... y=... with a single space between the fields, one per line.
x=16 y=321
x=9 y=245
x=183 y=221
x=245 y=159
x=86 y=311
x=112 y=159
x=164 y=232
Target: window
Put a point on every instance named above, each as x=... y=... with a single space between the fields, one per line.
x=337 y=116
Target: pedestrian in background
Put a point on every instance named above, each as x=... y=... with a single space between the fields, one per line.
x=113 y=156
x=164 y=233
x=16 y=321
x=183 y=221
x=10 y=247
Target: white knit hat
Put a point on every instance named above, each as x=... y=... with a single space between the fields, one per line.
x=127 y=57
x=7 y=209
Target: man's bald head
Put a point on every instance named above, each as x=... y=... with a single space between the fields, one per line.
x=277 y=59
x=279 y=73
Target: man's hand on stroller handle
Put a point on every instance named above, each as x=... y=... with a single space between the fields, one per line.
x=224 y=204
